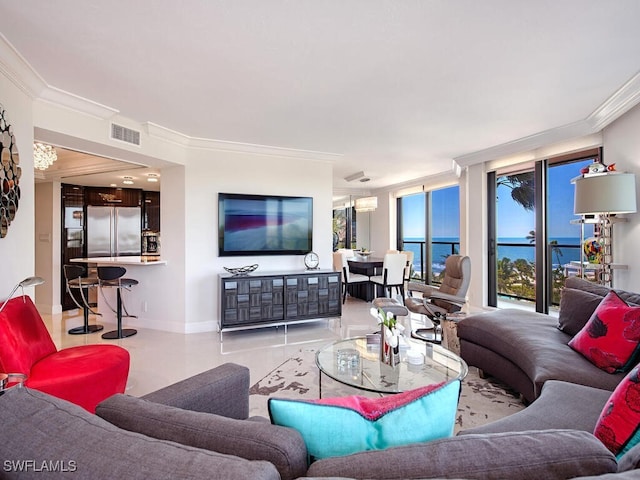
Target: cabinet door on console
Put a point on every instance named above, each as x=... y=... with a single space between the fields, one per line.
x=248 y=300
x=312 y=295
x=329 y=295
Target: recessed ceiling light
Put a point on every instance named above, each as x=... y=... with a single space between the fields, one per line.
x=113 y=185
x=127 y=180
x=152 y=177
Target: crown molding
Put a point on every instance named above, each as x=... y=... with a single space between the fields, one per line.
x=178 y=138
x=532 y=142
x=623 y=100
x=76 y=103
x=16 y=68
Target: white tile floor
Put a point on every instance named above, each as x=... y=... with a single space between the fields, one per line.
x=161 y=358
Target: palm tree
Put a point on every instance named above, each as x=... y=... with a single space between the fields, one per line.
x=505 y=275
x=522 y=188
x=525 y=272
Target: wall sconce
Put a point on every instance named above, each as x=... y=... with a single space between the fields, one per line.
x=366 y=204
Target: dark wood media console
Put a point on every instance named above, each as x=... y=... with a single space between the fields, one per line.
x=278 y=298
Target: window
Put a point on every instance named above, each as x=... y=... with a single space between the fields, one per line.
x=429 y=225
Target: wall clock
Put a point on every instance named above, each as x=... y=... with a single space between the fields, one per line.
x=311 y=261
x=10 y=174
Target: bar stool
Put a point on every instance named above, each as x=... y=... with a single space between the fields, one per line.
x=112 y=277
x=75 y=281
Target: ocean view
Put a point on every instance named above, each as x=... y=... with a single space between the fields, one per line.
x=442 y=247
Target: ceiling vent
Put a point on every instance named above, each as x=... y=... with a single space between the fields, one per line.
x=360 y=176
x=124 y=134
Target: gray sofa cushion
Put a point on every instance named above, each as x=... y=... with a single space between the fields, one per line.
x=536 y=346
x=548 y=454
x=555 y=408
x=223 y=390
x=283 y=447
x=576 y=307
x=41 y=428
x=631 y=298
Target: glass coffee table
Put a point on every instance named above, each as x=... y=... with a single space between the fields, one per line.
x=351 y=362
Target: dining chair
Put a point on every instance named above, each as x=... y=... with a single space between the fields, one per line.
x=340 y=264
x=408 y=271
x=392 y=276
x=348 y=252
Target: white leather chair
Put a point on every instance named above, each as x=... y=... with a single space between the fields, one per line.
x=340 y=264
x=348 y=252
x=409 y=267
x=393 y=268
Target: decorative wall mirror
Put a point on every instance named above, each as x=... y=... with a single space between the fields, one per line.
x=10 y=173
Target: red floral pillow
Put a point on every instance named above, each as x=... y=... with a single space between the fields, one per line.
x=619 y=424
x=611 y=337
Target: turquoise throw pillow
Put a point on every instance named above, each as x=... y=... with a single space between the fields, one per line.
x=341 y=426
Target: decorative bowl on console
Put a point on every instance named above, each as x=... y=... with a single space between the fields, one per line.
x=239 y=271
x=363 y=254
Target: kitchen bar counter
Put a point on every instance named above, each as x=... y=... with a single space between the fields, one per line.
x=141 y=260
x=142 y=300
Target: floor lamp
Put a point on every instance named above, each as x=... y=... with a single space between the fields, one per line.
x=604 y=195
x=27 y=282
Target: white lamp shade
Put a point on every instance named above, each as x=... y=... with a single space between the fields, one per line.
x=605 y=193
x=366 y=204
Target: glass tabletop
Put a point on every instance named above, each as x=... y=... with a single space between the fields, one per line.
x=352 y=362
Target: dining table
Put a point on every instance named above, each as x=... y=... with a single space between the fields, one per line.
x=368 y=266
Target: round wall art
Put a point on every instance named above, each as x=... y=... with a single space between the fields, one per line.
x=10 y=173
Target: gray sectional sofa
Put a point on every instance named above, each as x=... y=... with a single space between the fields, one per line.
x=198 y=428
x=526 y=349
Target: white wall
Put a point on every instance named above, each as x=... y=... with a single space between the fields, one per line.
x=48 y=245
x=17 y=248
x=622 y=147
x=210 y=173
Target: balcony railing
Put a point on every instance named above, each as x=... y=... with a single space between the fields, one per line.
x=440 y=250
x=516 y=279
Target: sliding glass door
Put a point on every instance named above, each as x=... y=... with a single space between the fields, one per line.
x=534 y=245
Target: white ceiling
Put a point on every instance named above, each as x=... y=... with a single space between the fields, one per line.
x=398 y=88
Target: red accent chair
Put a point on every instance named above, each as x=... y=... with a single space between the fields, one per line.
x=84 y=375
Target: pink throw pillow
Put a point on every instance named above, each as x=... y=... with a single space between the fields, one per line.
x=611 y=337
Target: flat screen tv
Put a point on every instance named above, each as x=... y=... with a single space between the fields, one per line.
x=264 y=225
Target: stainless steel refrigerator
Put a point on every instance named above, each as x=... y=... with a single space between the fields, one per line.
x=113 y=231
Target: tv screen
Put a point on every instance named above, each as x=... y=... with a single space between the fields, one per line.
x=264 y=225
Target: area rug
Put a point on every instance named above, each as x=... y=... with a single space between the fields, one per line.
x=481 y=401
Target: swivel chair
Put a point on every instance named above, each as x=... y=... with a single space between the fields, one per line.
x=85 y=375
x=113 y=277
x=76 y=282
x=436 y=302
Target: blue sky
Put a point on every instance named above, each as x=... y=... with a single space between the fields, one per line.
x=513 y=219
x=445 y=211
